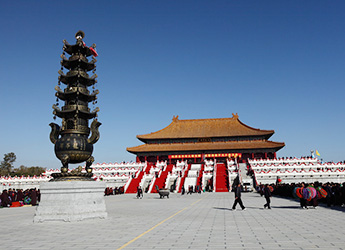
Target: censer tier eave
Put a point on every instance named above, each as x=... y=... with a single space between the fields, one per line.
x=72 y=177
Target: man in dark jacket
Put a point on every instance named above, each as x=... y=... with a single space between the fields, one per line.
x=5 y=200
x=238 y=198
x=267 y=194
x=33 y=196
x=140 y=192
x=329 y=191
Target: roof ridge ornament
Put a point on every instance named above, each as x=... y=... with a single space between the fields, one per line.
x=80 y=35
x=234 y=116
x=175 y=118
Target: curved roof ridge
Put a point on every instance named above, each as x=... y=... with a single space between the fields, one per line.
x=276 y=142
x=175 y=119
x=254 y=128
x=211 y=127
x=139 y=136
x=203 y=119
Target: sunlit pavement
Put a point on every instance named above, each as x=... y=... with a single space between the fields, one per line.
x=198 y=221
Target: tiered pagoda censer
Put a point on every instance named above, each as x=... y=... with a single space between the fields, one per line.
x=72 y=141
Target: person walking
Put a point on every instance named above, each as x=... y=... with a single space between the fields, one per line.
x=139 y=193
x=238 y=198
x=267 y=194
x=182 y=190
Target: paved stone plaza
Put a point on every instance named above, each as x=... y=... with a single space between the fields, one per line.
x=198 y=221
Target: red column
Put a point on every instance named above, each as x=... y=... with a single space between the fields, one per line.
x=145 y=158
x=275 y=155
x=252 y=156
x=265 y=155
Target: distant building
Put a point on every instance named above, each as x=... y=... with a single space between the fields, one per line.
x=199 y=139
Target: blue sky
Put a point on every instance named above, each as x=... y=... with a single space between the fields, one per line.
x=278 y=64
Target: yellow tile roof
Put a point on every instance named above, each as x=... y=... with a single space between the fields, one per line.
x=201 y=128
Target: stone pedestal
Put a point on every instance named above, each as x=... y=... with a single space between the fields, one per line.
x=71 y=201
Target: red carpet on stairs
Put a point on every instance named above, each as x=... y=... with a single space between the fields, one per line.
x=132 y=188
x=183 y=178
x=160 y=181
x=199 y=180
x=222 y=180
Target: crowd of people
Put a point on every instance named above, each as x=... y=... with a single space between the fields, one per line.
x=113 y=191
x=331 y=194
x=12 y=197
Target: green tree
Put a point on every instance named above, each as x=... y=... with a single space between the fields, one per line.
x=6 y=165
x=22 y=170
x=35 y=171
x=25 y=171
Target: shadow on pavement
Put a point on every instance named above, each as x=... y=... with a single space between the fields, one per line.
x=222 y=208
x=287 y=207
x=238 y=208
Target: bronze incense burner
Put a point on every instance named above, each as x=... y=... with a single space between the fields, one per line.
x=73 y=143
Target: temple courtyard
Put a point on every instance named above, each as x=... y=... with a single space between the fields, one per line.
x=197 y=221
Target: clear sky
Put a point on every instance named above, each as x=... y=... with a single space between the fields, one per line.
x=278 y=64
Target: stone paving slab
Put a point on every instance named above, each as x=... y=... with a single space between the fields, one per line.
x=198 y=221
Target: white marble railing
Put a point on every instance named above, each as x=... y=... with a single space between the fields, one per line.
x=181 y=164
x=161 y=164
x=283 y=161
x=195 y=167
x=306 y=167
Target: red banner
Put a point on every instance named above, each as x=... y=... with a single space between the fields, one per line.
x=184 y=156
x=229 y=155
